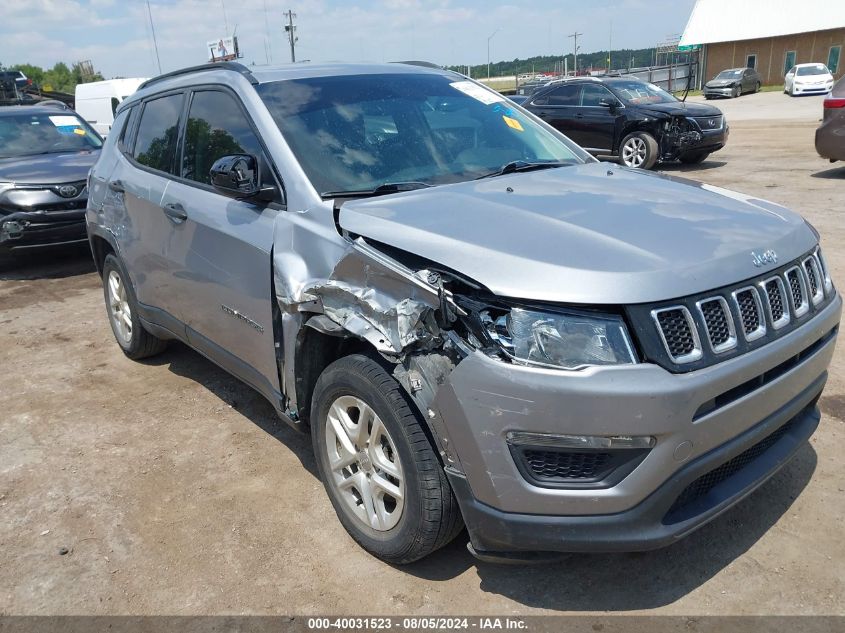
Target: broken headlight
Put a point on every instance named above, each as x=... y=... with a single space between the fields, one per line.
x=566 y=339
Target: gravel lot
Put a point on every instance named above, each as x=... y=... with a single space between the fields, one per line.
x=176 y=491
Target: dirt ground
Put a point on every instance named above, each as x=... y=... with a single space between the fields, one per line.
x=176 y=490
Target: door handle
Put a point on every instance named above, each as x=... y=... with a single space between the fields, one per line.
x=176 y=212
x=579 y=115
x=116 y=186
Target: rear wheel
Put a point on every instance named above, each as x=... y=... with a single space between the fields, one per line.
x=638 y=150
x=377 y=464
x=757 y=87
x=122 y=308
x=693 y=158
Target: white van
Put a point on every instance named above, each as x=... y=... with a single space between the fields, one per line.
x=97 y=101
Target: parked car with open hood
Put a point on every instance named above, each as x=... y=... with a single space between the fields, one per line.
x=630 y=119
x=733 y=83
x=46 y=152
x=830 y=135
x=807 y=79
x=479 y=323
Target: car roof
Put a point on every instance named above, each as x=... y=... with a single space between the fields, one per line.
x=222 y=72
x=811 y=64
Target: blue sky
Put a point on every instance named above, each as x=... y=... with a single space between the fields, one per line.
x=115 y=34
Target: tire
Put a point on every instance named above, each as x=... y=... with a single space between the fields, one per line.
x=693 y=158
x=756 y=87
x=737 y=90
x=393 y=450
x=122 y=311
x=638 y=150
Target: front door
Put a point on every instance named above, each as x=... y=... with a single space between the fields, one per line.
x=220 y=247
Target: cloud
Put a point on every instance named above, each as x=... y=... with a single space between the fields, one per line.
x=116 y=36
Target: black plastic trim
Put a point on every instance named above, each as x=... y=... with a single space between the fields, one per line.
x=233 y=66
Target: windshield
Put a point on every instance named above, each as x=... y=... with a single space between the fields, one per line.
x=729 y=74
x=356 y=133
x=640 y=92
x=818 y=69
x=28 y=134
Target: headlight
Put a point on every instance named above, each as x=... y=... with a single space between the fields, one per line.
x=566 y=339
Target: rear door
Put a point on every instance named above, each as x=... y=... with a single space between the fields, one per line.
x=597 y=116
x=220 y=247
x=142 y=177
x=558 y=106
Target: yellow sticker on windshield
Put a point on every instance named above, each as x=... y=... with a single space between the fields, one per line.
x=513 y=123
x=79 y=130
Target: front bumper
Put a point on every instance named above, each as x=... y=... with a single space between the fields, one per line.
x=484 y=399
x=819 y=89
x=727 y=91
x=33 y=229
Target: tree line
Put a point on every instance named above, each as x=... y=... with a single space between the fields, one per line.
x=59 y=78
x=619 y=59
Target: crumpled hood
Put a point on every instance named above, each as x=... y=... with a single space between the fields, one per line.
x=682 y=108
x=48 y=169
x=591 y=234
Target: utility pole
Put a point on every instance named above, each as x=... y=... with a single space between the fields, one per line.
x=291 y=31
x=488 y=51
x=153 y=29
x=575 y=51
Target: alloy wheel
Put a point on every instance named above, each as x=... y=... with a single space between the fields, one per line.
x=364 y=463
x=121 y=315
x=634 y=152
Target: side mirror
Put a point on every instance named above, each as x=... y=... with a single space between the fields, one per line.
x=609 y=104
x=237 y=176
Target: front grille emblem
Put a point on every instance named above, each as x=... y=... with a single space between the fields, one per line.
x=764 y=259
x=67 y=191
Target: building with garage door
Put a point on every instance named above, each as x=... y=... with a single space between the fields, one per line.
x=768 y=35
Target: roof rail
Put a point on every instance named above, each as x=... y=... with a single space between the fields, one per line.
x=235 y=66
x=53 y=103
x=419 y=63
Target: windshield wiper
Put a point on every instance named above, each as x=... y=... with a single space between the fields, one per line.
x=524 y=165
x=387 y=187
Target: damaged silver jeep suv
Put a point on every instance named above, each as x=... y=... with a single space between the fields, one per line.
x=479 y=323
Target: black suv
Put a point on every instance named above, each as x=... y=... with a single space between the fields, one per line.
x=631 y=119
x=46 y=152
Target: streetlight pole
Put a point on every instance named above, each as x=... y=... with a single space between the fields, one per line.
x=575 y=51
x=488 y=51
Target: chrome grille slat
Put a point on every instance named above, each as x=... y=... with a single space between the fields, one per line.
x=811 y=269
x=678 y=333
x=798 y=294
x=718 y=323
x=776 y=302
x=750 y=308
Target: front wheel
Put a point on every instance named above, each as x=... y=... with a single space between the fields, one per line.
x=122 y=308
x=737 y=90
x=377 y=464
x=693 y=158
x=638 y=150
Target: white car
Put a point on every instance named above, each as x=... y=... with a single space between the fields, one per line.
x=805 y=79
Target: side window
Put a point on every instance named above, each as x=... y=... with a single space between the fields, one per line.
x=593 y=95
x=114 y=103
x=216 y=127
x=155 y=144
x=564 y=95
